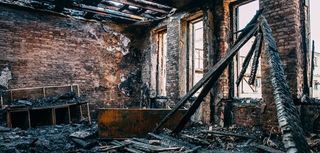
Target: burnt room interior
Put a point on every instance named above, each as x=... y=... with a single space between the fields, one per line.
x=142 y=76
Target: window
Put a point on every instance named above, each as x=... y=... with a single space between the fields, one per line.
x=314 y=33
x=161 y=63
x=245 y=14
x=195 y=51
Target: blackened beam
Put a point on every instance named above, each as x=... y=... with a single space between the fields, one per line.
x=312 y=65
x=157 y=5
x=218 y=70
x=143 y=6
x=287 y=114
x=246 y=61
x=255 y=63
x=203 y=80
x=105 y=11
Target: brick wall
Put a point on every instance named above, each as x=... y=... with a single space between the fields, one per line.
x=45 y=49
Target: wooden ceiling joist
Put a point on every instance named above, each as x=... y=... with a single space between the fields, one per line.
x=141 y=5
x=100 y=10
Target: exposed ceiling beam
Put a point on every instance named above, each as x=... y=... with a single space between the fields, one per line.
x=100 y=10
x=156 y=5
x=144 y=6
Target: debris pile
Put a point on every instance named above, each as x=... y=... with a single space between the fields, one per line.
x=84 y=138
x=67 y=98
x=59 y=138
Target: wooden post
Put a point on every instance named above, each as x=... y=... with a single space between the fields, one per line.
x=1 y=99
x=69 y=115
x=81 y=115
x=78 y=90
x=71 y=88
x=29 y=119
x=88 y=112
x=44 y=92
x=9 y=119
x=54 y=118
x=11 y=97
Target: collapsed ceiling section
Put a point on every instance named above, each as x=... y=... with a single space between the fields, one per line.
x=119 y=10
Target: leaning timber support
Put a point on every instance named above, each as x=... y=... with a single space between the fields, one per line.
x=246 y=62
x=255 y=62
x=312 y=65
x=219 y=68
x=213 y=72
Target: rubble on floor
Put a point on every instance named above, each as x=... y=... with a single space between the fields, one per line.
x=83 y=138
x=44 y=139
x=66 y=98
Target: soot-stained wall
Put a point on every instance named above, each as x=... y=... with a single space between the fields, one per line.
x=46 y=49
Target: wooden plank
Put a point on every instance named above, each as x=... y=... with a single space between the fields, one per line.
x=9 y=119
x=312 y=66
x=268 y=149
x=81 y=113
x=105 y=11
x=69 y=116
x=129 y=123
x=29 y=119
x=228 y=134
x=246 y=61
x=255 y=62
x=171 y=141
x=157 y=5
x=54 y=117
x=143 y=6
x=88 y=112
x=1 y=99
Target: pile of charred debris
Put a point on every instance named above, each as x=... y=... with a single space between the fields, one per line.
x=66 y=98
x=83 y=138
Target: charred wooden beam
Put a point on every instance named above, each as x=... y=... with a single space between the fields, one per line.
x=218 y=70
x=228 y=134
x=212 y=72
x=105 y=11
x=143 y=6
x=247 y=60
x=255 y=62
x=312 y=65
x=153 y=4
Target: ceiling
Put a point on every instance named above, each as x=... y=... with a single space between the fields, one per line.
x=119 y=10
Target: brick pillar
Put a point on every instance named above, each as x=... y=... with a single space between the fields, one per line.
x=284 y=19
x=221 y=35
x=173 y=30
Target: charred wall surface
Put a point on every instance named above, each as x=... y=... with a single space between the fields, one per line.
x=45 y=49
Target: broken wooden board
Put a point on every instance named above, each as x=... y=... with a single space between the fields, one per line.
x=128 y=123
